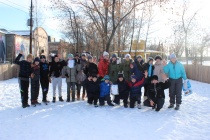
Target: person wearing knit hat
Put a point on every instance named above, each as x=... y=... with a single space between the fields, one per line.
x=158 y=70
x=120 y=75
x=172 y=56
x=90 y=57
x=44 y=78
x=70 y=56
x=106 y=77
x=36 y=59
x=103 y=65
x=176 y=72
x=105 y=92
x=105 y=53
x=155 y=94
x=70 y=72
x=123 y=90
x=113 y=68
x=114 y=55
x=35 y=77
x=125 y=66
x=42 y=57
x=158 y=57
x=135 y=90
x=127 y=56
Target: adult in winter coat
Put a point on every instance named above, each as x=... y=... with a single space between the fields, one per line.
x=105 y=91
x=123 y=90
x=83 y=62
x=125 y=66
x=155 y=93
x=93 y=89
x=137 y=68
x=91 y=68
x=44 y=77
x=176 y=72
x=103 y=65
x=70 y=72
x=149 y=67
x=23 y=77
x=56 y=67
x=114 y=68
x=135 y=90
x=158 y=68
x=35 y=75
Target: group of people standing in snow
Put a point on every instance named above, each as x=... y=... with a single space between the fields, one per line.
x=96 y=78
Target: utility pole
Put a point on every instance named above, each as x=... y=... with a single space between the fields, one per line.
x=31 y=26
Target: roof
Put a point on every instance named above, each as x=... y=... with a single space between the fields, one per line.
x=4 y=31
x=142 y=51
x=22 y=32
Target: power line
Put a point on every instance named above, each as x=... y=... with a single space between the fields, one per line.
x=13 y=7
x=18 y=4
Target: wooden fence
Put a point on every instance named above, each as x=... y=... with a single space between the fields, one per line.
x=198 y=72
x=194 y=72
x=8 y=71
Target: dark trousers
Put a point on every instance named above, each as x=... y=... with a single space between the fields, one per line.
x=105 y=98
x=24 y=91
x=145 y=89
x=175 y=91
x=78 y=89
x=34 y=90
x=92 y=98
x=134 y=99
x=71 y=85
x=45 y=87
x=158 y=103
x=121 y=96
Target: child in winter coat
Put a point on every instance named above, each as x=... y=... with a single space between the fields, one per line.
x=93 y=89
x=70 y=73
x=113 y=68
x=125 y=66
x=23 y=77
x=155 y=93
x=135 y=90
x=123 y=90
x=35 y=82
x=105 y=92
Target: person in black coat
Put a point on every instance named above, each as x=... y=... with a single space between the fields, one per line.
x=24 y=75
x=56 y=67
x=123 y=90
x=155 y=92
x=92 y=84
x=91 y=68
x=44 y=77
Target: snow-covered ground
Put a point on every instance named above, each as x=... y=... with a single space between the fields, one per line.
x=79 y=121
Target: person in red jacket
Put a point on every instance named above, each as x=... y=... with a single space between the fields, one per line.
x=103 y=65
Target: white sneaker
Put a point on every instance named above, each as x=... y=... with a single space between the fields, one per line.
x=139 y=106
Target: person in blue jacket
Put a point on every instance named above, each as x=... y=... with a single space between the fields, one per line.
x=176 y=72
x=105 y=87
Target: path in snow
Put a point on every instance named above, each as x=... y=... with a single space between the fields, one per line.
x=79 y=121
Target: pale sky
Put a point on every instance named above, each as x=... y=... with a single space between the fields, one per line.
x=14 y=14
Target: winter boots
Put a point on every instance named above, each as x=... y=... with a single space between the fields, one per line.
x=177 y=107
x=54 y=99
x=25 y=105
x=171 y=106
x=61 y=99
x=139 y=106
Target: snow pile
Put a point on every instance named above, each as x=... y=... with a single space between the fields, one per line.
x=79 y=121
